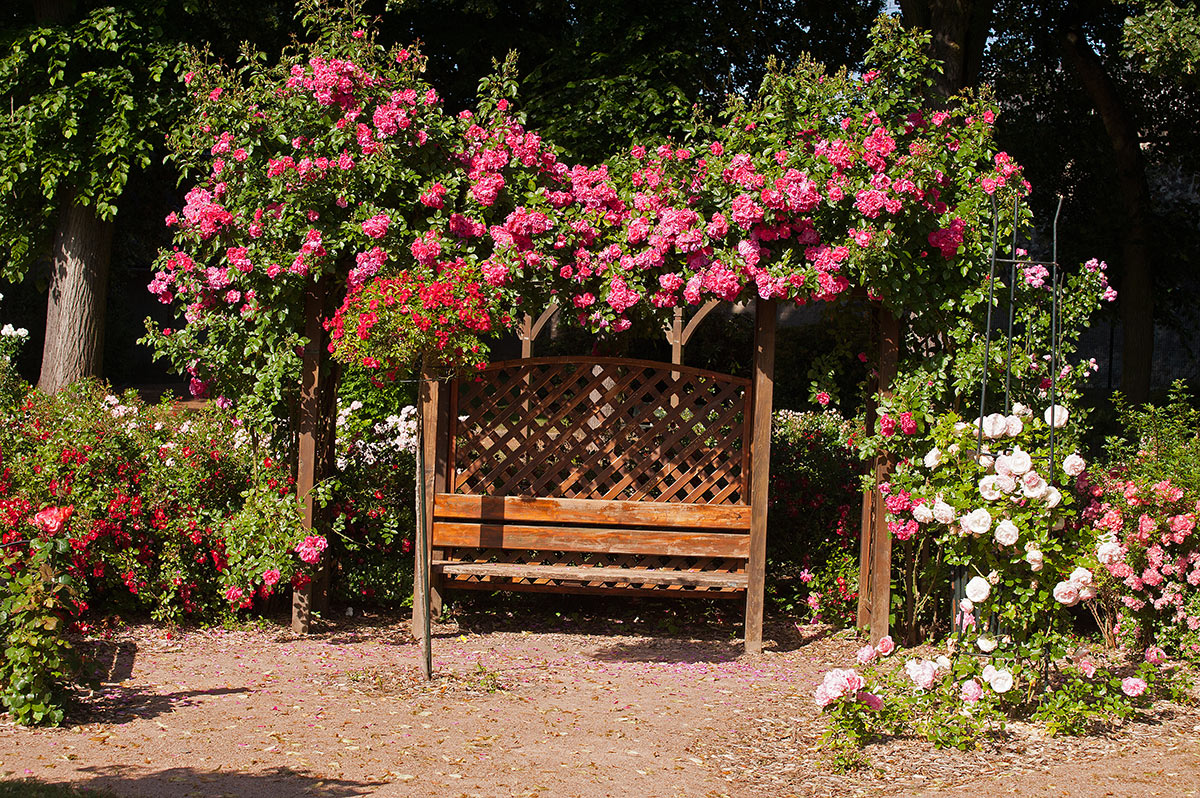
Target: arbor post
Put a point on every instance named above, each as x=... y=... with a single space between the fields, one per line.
x=760 y=468
x=875 y=550
x=315 y=378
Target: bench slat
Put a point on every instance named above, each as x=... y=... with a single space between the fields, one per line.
x=655 y=542
x=596 y=512
x=632 y=576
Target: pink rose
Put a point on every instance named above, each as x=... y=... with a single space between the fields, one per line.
x=52 y=519
x=310 y=549
x=1155 y=655
x=1087 y=667
x=885 y=645
x=873 y=702
x=922 y=672
x=972 y=691
x=867 y=655
x=271 y=576
x=1133 y=686
x=1074 y=465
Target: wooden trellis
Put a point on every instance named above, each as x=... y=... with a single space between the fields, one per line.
x=601 y=475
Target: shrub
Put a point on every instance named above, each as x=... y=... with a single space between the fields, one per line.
x=812 y=541
x=1143 y=506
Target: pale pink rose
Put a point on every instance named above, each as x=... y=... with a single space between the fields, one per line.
x=1007 y=533
x=823 y=696
x=1087 y=667
x=1081 y=577
x=971 y=692
x=988 y=489
x=1013 y=426
x=873 y=702
x=943 y=513
x=1087 y=593
x=1007 y=483
x=1022 y=411
x=922 y=672
x=978 y=589
x=1032 y=485
x=1020 y=462
x=977 y=522
x=1074 y=465
x=1052 y=497
x=923 y=513
x=1066 y=593
x=1056 y=416
x=1132 y=686
x=1004 y=465
x=1155 y=655
x=1109 y=552
x=933 y=458
x=995 y=426
x=867 y=655
x=885 y=645
x=1035 y=558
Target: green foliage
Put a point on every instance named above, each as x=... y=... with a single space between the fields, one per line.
x=39 y=661
x=90 y=102
x=28 y=788
x=1164 y=38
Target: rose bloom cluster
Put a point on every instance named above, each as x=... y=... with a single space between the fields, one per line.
x=1147 y=542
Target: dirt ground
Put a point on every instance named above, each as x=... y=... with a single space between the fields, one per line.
x=658 y=701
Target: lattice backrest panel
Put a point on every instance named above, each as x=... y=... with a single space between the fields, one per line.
x=606 y=428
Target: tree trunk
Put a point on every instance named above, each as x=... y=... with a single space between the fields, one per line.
x=960 y=31
x=76 y=302
x=1136 y=291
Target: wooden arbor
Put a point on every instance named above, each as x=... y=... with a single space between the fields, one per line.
x=602 y=475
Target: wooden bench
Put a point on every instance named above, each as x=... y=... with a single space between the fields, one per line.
x=589 y=545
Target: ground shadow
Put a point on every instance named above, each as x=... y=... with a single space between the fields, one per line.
x=118 y=704
x=110 y=661
x=667 y=649
x=273 y=783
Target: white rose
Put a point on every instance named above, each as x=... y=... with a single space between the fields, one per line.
x=1022 y=411
x=1056 y=416
x=1004 y=465
x=989 y=671
x=977 y=521
x=978 y=589
x=1002 y=681
x=1014 y=426
x=923 y=513
x=993 y=577
x=1053 y=497
x=1007 y=533
x=988 y=489
x=1035 y=558
x=942 y=662
x=1087 y=593
x=1081 y=577
x=966 y=605
x=985 y=460
x=1074 y=465
x=1007 y=483
x=1020 y=461
x=986 y=643
x=961 y=426
x=943 y=513
x=933 y=458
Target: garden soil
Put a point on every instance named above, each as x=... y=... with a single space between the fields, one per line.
x=529 y=700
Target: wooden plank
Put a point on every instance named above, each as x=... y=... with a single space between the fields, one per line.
x=633 y=576
x=487 y=583
x=593 y=539
x=760 y=468
x=631 y=363
x=597 y=512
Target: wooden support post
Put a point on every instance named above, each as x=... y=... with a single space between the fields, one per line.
x=866 y=529
x=311 y=380
x=760 y=468
x=880 y=577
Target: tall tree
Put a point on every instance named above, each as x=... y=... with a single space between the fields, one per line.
x=84 y=89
